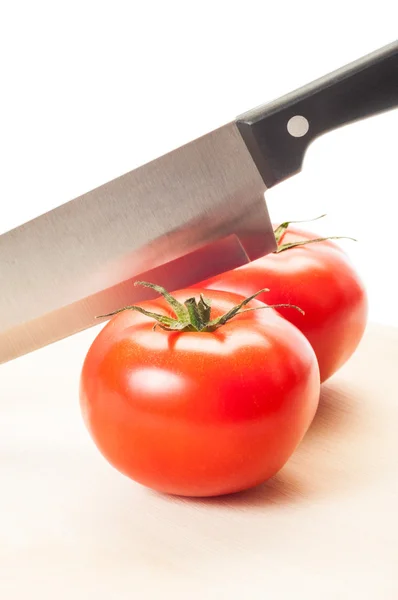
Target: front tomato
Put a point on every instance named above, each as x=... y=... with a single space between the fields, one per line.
x=199 y=413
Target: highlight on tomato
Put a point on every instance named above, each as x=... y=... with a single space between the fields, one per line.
x=201 y=393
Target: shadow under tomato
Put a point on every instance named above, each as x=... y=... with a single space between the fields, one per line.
x=338 y=412
x=280 y=489
x=324 y=464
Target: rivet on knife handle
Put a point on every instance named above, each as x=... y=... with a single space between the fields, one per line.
x=278 y=134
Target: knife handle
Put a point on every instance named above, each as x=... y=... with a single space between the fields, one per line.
x=278 y=134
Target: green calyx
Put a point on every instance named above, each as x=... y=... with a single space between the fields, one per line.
x=193 y=314
x=280 y=231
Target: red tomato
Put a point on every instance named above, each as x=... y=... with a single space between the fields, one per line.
x=318 y=278
x=199 y=413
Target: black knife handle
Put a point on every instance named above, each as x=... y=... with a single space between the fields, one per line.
x=361 y=89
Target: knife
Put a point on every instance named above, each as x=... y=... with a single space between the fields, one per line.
x=188 y=215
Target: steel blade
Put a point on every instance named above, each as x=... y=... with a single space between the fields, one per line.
x=183 y=272
x=76 y=259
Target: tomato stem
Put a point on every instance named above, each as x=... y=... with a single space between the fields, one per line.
x=281 y=229
x=194 y=315
x=284 y=247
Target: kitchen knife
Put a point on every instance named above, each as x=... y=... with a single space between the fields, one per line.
x=190 y=214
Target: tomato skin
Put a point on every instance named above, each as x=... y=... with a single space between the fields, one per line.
x=199 y=414
x=318 y=278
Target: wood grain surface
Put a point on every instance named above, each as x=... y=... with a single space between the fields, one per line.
x=326 y=527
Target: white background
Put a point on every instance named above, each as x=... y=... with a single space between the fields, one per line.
x=92 y=89
x=89 y=90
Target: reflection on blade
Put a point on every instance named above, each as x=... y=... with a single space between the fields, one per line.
x=185 y=271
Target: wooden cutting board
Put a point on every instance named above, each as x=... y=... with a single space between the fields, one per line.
x=325 y=528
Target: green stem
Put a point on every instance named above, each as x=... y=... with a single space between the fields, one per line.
x=281 y=229
x=195 y=315
x=284 y=247
x=179 y=309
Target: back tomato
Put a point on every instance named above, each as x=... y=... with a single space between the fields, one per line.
x=320 y=279
x=199 y=413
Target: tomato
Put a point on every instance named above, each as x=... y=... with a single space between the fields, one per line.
x=317 y=277
x=199 y=413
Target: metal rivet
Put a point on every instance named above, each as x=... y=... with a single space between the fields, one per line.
x=298 y=126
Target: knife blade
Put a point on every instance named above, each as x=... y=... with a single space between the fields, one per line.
x=185 y=216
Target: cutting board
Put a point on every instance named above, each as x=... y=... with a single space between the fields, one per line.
x=326 y=527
